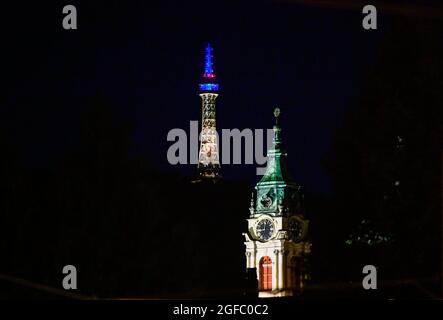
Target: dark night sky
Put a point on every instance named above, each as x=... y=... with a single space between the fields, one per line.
x=78 y=187
x=310 y=61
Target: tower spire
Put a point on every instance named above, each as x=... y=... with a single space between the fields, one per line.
x=209 y=84
x=276 y=169
x=209 y=69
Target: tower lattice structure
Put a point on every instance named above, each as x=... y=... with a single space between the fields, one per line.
x=208 y=160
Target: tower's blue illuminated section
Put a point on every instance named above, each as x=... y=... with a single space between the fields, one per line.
x=209 y=76
x=209 y=70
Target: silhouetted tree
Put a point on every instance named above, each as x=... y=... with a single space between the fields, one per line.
x=385 y=161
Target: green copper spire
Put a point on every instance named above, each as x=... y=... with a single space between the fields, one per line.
x=276 y=169
x=277 y=193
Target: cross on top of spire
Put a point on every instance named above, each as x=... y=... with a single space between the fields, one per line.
x=276 y=114
x=277 y=130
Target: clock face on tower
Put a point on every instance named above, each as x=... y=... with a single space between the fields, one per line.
x=265 y=229
x=295 y=229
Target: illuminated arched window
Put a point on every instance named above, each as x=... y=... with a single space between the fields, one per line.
x=265 y=273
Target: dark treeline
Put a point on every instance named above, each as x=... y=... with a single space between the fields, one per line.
x=386 y=159
x=127 y=228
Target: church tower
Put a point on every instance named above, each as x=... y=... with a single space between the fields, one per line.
x=276 y=241
x=208 y=160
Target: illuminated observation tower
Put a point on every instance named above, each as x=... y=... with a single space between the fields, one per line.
x=208 y=159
